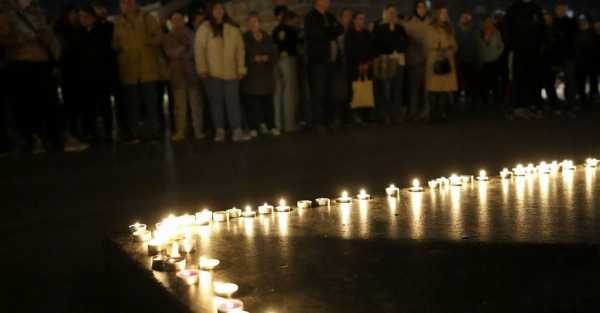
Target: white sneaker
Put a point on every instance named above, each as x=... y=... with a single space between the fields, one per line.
x=263 y=129
x=275 y=132
x=220 y=135
x=73 y=144
x=238 y=135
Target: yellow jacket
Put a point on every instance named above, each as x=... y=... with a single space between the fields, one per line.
x=220 y=57
x=137 y=41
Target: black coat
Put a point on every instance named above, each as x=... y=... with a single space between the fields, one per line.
x=320 y=31
x=525 y=28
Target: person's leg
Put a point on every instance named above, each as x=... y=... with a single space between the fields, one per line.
x=290 y=95
x=180 y=109
x=195 y=100
x=151 y=120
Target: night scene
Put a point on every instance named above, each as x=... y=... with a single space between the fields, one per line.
x=300 y=156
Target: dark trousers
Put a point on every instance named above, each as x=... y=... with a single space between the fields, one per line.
x=526 y=80
x=33 y=91
x=259 y=110
x=323 y=108
x=140 y=102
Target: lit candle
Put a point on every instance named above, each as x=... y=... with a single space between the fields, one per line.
x=433 y=184
x=142 y=235
x=455 y=180
x=520 y=170
x=188 y=277
x=204 y=217
x=283 y=207
x=248 y=212
x=225 y=289
x=220 y=216
x=344 y=198
x=363 y=195
x=230 y=306
x=567 y=165
x=393 y=191
x=416 y=186
x=137 y=227
x=234 y=212
x=265 y=209
x=304 y=204
x=505 y=174
x=323 y=201
x=482 y=176
x=207 y=264
x=591 y=163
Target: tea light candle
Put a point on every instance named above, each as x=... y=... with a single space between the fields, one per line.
x=323 y=201
x=225 y=289
x=142 y=235
x=248 y=212
x=304 y=204
x=591 y=163
x=567 y=165
x=207 y=264
x=416 y=186
x=455 y=180
x=283 y=207
x=204 y=217
x=393 y=191
x=220 y=216
x=482 y=176
x=137 y=227
x=234 y=212
x=520 y=170
x=344 y=198
x=229 y=306
x=188 y=277
x=505 y=173
x=433 y=184
x=265 y=209
x=363 y=195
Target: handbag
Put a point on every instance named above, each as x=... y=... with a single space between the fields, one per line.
x=442 y=66
x=362 y=93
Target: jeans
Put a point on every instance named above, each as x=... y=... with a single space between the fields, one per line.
x=286 y=94
x=418 y=97
x=142 y=98
x=188 y=97
x=224 y=94
x=392 y=94
x=323 y=107
x=259 y=110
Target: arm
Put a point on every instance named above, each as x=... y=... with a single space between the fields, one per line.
x=200 y=51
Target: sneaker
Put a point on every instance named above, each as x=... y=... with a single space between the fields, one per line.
x=239 y=135
x=73 y=144
x=253 y=133
x=220 y=135
x=275 y=132
x=38 y=146
x=263 y=129
x=178 y=137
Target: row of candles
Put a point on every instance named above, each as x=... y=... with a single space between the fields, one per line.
x=172 y=236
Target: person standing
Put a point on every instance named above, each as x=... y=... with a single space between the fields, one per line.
x=391 y=43
x=468 y=59
x=416 y=28
x=525 y=28
x=137 y=41
x=286 y=95
x=322 y=30
x=491 y=47
x=220 y=62
x=258 y=86
x=185 y=84
x=441 y=46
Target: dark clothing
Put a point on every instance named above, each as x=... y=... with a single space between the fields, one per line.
x=259 y=80
x=286 y=38
x=321 y=30
x=565 y=29
x=359 y=51
x=388 y=41
x=525 y=26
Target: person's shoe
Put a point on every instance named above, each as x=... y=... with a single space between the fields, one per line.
x=73 y=144
x=520 y=114
x=238 y=135
x=253 y=133
x=38 y=146
x=220 y=135
x=177 y=137
x=275 y=132
x=263 y=129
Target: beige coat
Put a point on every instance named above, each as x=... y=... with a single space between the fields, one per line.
x=416 y=30
x=137 y=42
x=220 y=57
x=439 y=40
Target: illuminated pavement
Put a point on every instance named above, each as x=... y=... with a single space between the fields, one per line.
x=58 y=208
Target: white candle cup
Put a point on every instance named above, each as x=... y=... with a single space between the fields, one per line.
x=265 y=209
x=207 y=264
x=304 y=204
x=142 y=236
x=323 y=201
x=220 y=216
x=393 y=191
x=234 y=213
x=137 y=227
x=174 y=264
x=225 y=289
x=188 y=277
x=230 y=306
x=344 y=198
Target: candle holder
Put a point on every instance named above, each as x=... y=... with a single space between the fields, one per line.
x=230 y=306
x=248 y=212
x=225 y=289
x=363 y=195
x=482 y=176
x=323 y=201
x=220 y=216
x=234 y=213
x=304 y=204
x=344 y=198
x=142 y=235
x=392 y=191
x=188 y=277
x=283 y=207
x=265 y=209
x=416 y=186
x=207 y=264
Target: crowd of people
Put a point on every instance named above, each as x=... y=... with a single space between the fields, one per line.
x=75 y=82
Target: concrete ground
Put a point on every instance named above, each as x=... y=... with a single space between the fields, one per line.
x=57 y=208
